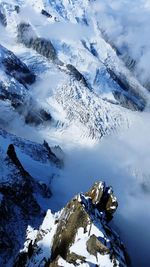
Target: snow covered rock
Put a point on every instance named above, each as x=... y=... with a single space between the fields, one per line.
x=24 y=186
x=77 y=236
x=14 y=81
x=27 y=36
x=15 y=67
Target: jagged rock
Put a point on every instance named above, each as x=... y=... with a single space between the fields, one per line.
x=16 y=89
x=37 y=152
x=15 y=67
x=92 y=114
x=18 y=207
x=45 y=13
x=76 y=74
x=19 y=194
x=51 y=155
x=17 y=9
x=18 y=70
x=78 y=232
x=12 y=155
x=36 y=115
x=104 y=200
x=124 y=84
x=55 y=263
x=101 y=197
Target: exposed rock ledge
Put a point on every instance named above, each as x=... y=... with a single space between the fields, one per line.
x=79 y=235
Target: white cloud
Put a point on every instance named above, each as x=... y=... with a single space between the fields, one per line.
x=127 y=24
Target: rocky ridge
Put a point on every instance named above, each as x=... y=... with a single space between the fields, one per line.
x=20 y=190
x=79 y=235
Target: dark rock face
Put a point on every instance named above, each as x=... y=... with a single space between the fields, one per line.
x=16 y=90
x=19 y=71
x=3 y=19
x=52 y=157
x=44 y=47
x=18 y=197
x=12 y=155
x=76 y=74
x=16 y=68
x=46 y=14
x=18 y=207
x=129 y=97
x=131 y=102
x=17 y=9
x=15 y=98
x=35 y=115
x=103 y=199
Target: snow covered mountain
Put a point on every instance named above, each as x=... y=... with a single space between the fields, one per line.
x=24 y=193
x=64 y=82
x=92 y=79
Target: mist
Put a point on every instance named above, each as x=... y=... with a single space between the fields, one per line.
x=62 y=30
x=122 y=161
x=127 y=24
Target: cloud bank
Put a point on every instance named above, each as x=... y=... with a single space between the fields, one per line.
x=127 y=23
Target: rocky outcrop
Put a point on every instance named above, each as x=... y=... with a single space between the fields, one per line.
x=45 y=13
x=3 y=19
x=20 y=191
x=76 y=74
x=79 y=234
x=15 y=89
x=15 y=67
x=18 y=205
x=51 y=155
x=129 y=101
x=27 y=36
x=127 y=98
x=38 y=152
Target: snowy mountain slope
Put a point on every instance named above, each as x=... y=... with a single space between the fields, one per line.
x=81 y=60
x=85 y=238
x=14 y=81
x=27 y=170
